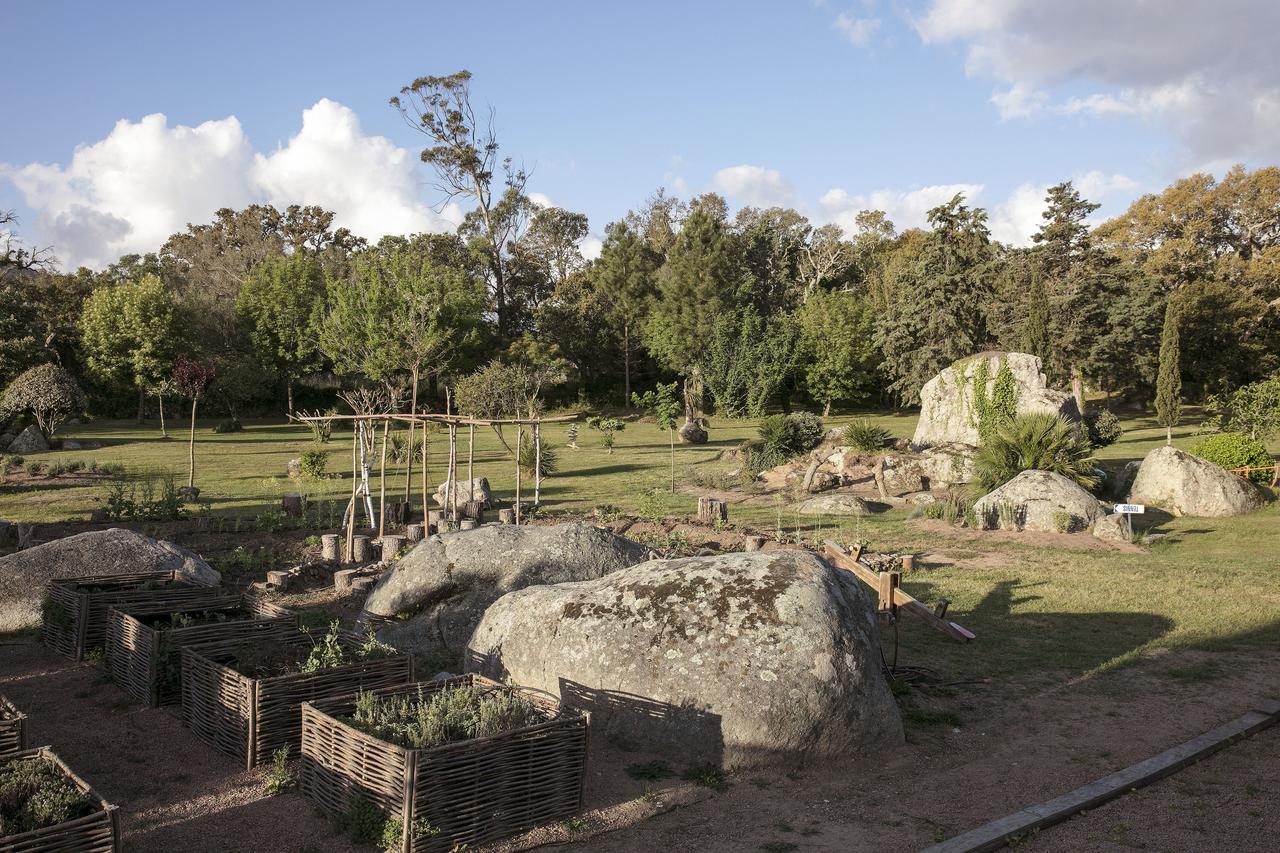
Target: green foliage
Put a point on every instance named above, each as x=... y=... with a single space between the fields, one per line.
x=329 y=652
x=529 y=453
x=1253 y=409
x=35 y=794
x=747 y=358
x=992 y=411
x=314 y=461
x=1103 y=427
x=129 y=332
x=1236 y=450
x=651 y=504
x=393 y=833
x=279 y=778
x=784 y=437
x=708 y=776
x=864 y=436
x=951 y=507
x=34 y=468
x=150 y=496
x=608 y=427
x=497 y=390
x=279 y=305
x=48 y=392
x=1169 y=382
x=1040 y=442
x=227 y=425
x=365 y=822
x=448 y=715
x=842 y=363
x=809 y=430
x=663 y=404
x=1066 y=522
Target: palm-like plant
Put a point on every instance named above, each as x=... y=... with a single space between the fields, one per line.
x=1035 y=442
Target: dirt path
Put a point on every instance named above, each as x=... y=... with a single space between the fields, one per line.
x=178 y=794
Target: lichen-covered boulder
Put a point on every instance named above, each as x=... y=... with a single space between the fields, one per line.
x=1113 y=527
x=1039 y=500
x=739 y=659
x=468 y=490
x=30 y=440
x=834 y=504
x=948 y=410
x=24 y=575
x=945 y=466
x=439 y=590
x=1183 y=484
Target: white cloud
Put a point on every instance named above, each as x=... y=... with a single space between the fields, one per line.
x=1211 y=73
x=906 y=209
x=145 y=180
x=541 y=200
x=859 y=31
x=754 y=185
x=590 y=246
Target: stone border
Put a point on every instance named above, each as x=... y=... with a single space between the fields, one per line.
x=997 y=833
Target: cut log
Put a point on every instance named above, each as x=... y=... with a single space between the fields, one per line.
x=330 y=545
x=753 y=543
x=712 y=511
x=360 y=551
x=391 y=546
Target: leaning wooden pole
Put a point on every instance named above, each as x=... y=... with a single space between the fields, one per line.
x=471 y=460
x=408 y=454
x=382 y=483
x=426 y=481
x=519 y=438
x=453 y=472
x=537 y=464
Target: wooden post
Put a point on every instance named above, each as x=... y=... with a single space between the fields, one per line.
x=351 y=517
x=382 y=482
x=752 y=543
x=426 y=475
x=537 y=463
x=908 y=563
x=471 y=461
x=414 y=532
x=712 y=511
x=519 y=436
x=453 y=472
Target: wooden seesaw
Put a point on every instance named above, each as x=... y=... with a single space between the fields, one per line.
x=892 y=597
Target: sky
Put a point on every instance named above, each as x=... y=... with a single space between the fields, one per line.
x=127 y=121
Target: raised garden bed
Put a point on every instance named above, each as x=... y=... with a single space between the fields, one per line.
x=76 y=609
x=245 y=700
x=460 y=792
x=44 y=807
x=13 y=728
x=144 y=643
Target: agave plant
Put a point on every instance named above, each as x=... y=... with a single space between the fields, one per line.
x=1035 y=442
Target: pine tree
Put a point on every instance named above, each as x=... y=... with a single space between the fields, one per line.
x=1169 y=382
x=625 y=275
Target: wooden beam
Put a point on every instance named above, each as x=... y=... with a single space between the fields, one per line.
x=901 y=599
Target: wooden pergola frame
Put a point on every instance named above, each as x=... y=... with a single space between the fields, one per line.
x=450 y=506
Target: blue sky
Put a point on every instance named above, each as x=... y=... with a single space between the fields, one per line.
x=824 y=106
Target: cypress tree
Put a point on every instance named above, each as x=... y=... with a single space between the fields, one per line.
x=1169 y=381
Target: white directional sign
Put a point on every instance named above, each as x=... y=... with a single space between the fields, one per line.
x=1131 y=509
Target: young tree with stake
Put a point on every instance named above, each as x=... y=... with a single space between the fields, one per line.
x=665 y=406
x=192 y=379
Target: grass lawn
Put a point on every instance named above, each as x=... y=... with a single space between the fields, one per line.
x=1038 y=611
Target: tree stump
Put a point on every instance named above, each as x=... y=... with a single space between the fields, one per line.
x=279 y=579
x=473 y=510
x=468 y=524
x=752 y=543
x=414 y=532
x=363 y=585
x=712 y=511
x=507 y=516
x=293 y=504
x=433 y=518
x=391 y=546
x=330 y=547
x=360 y=549
x=342 y=579
x=908 y=562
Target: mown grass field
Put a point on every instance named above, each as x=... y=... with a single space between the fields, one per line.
x=1212 y=584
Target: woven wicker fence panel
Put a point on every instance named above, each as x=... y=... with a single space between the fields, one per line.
x=13 y=728
x=473 y=791
x=340 y=763
x=98 y=832
x=215 y=702
x=134 y=650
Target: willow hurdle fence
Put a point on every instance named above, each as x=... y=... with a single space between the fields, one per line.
x=13 y=728
x=470 y=792
x=250 y=718
x=75 y=611
x=145 y=659
x=96 y=832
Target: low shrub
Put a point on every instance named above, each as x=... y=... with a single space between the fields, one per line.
x=1065 y=522
x=550 y=460
x=651 y=504
x=150 y=497
x=447 y=716
x=1103 y=427
x=809 y=430
x=35 y=794
x=313 y=462
x=280 y=777
x=227 y=425
x=1039 y=442
x=951 y=508
x=864 y=436
x=33 y=468
x=1236 y=450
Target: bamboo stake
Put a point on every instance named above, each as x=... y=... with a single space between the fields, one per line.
x=382 y=484
x=537 y=464
x=519 y=436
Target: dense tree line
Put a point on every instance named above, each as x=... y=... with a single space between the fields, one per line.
x=749 y=311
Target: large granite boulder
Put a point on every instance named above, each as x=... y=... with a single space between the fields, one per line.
x=1183 y=484
x=738 y=659
x=1039 y=500
x=835 y=504
x=439 y=590
x=30 y=440
x=24 y=575
x=947 y=410
x=945 y=466
x=468 y=490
